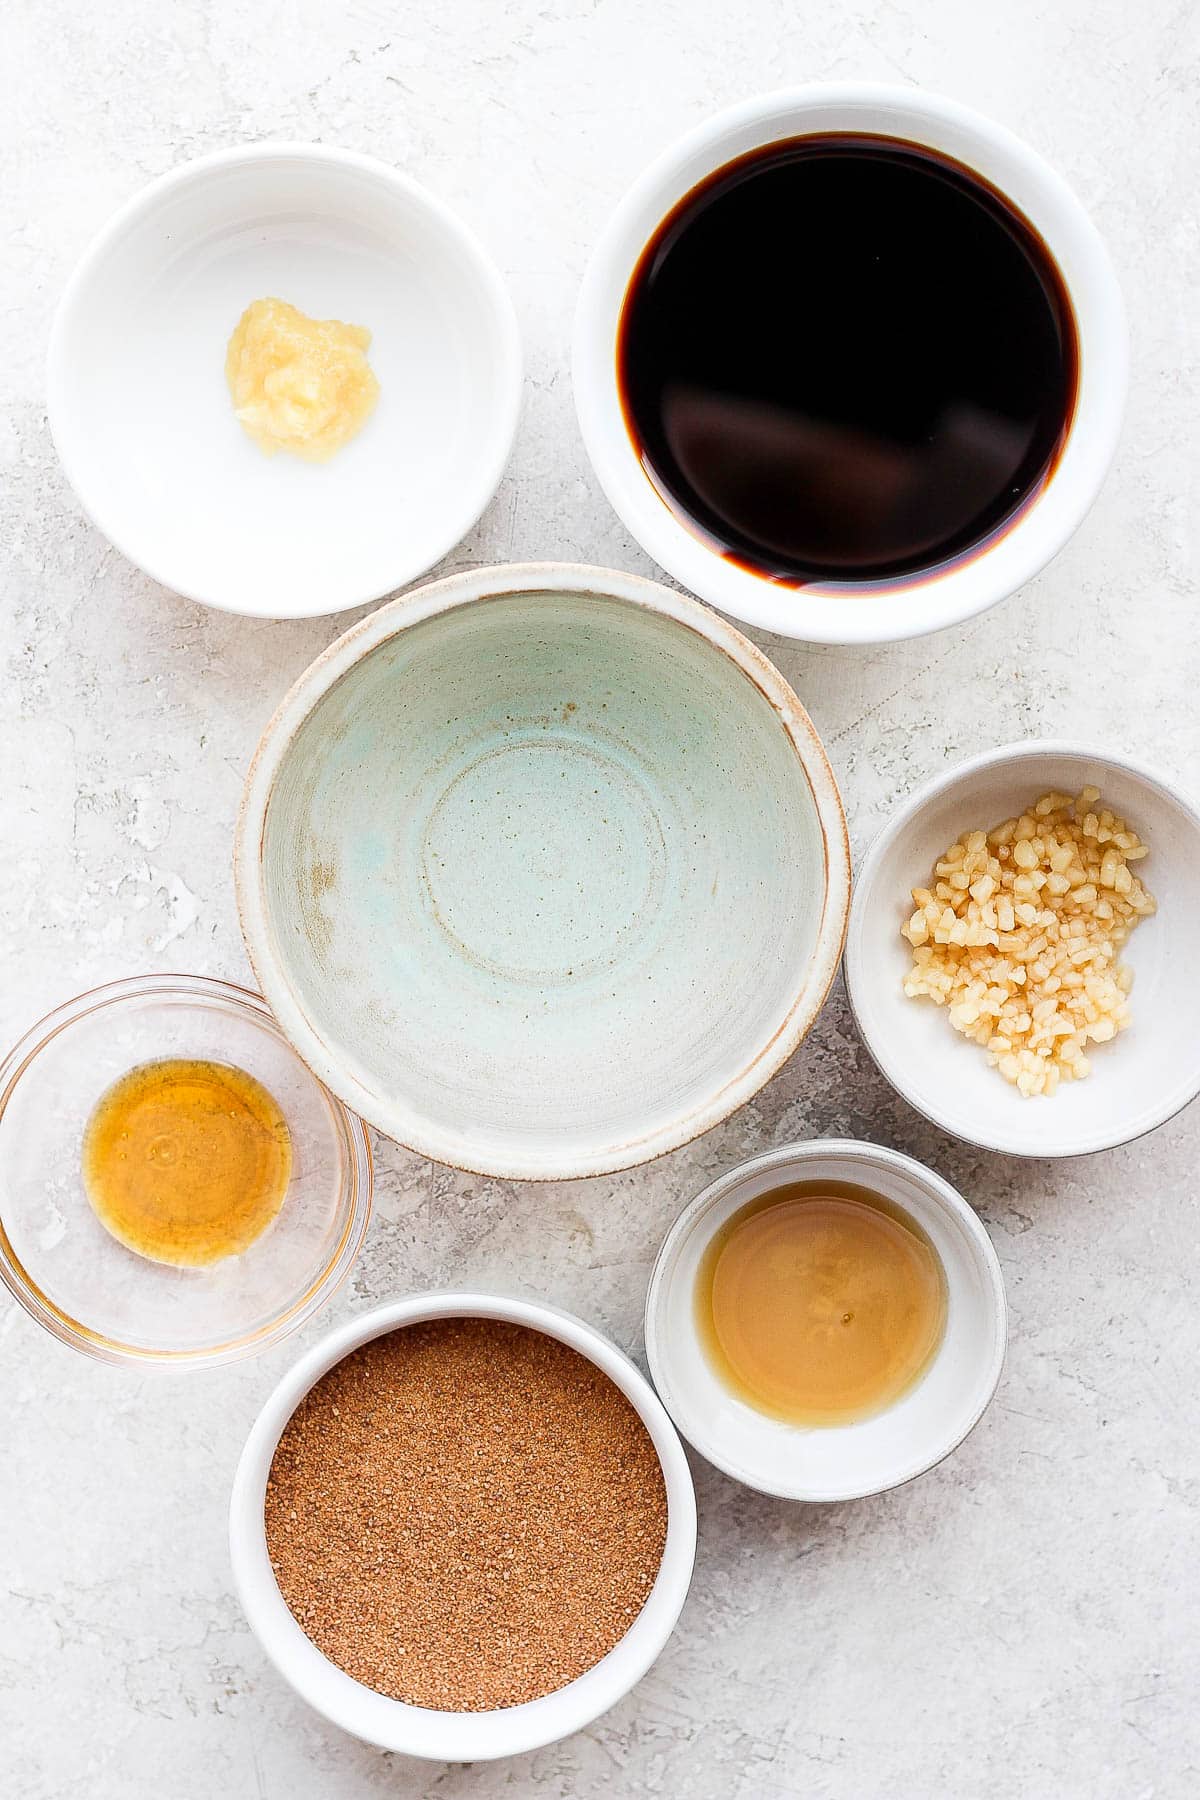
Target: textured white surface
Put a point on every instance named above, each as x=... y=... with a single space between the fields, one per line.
x=1021 y=1622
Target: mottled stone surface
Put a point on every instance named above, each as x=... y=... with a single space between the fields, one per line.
x=1022 y=1622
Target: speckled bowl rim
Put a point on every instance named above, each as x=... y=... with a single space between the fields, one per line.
x=891 y=1066
x=358 y=1174
x=478 y=586
x=860 y=1157
x=417 y=1730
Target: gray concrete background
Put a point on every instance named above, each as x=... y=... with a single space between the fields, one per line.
x=1022 y=1622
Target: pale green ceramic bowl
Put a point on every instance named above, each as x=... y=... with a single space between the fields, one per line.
x=543 y=870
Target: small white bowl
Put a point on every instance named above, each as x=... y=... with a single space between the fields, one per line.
x=418 y=1730
x=885 y=611
x=1137 y=1081
x=844 y=1462
x=142 y=417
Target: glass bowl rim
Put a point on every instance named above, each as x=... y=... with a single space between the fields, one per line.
x=356 y=1169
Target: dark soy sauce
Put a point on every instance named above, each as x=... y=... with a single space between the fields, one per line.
x=846 y=359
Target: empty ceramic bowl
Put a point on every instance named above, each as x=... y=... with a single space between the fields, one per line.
x=143 y=420
x=87 y=1288
x=1149 y=1071
x=543 y=869
x=420 y=1730
x=841 y=1462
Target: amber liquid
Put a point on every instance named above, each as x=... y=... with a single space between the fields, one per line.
x=847 y=360
x=820 y=1303
x=187 y=1162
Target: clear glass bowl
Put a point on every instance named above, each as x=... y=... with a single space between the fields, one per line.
x=77 y=1280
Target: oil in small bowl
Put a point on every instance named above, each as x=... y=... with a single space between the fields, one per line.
x=187 y=1162
x=820 y=1303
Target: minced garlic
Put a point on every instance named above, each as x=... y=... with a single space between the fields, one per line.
x=299 y=384
x=1018 y=934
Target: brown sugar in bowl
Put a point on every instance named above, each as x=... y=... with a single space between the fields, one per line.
x=465 y=1514
x=602 y=1562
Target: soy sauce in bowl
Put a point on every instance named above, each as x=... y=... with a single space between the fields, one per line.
x=847 y=360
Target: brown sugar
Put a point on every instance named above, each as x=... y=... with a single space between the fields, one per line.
x=465 y=1514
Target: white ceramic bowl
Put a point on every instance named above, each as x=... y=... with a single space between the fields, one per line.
x=141 y=414
x=1142 y=1077
x=914 y=605
x=842 y=1462
x=418 y=1730
x=543 y=869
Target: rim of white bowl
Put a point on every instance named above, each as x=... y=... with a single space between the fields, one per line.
x=60 y=413
x=859 y=1153
x=476 y=586
x=914 y=605
x=417 y=1730
x=890 y=1065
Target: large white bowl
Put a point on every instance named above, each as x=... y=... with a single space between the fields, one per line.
x=419 y=1730
x=916 y=604
x=142 y=417
x=1142 y=1077
x=543 y=870
x=842 y=1462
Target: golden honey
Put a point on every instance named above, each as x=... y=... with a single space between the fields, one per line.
x=299 y=384
x=820 y=1303
x=186 y=1162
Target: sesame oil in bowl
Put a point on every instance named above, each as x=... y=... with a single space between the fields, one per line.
x=820 y=1302
x=818 y=1405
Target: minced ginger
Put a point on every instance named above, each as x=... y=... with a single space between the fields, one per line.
x=299 y=384
x=1018 y=934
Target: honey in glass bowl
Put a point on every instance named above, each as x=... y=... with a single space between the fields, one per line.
x=187 y=1161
